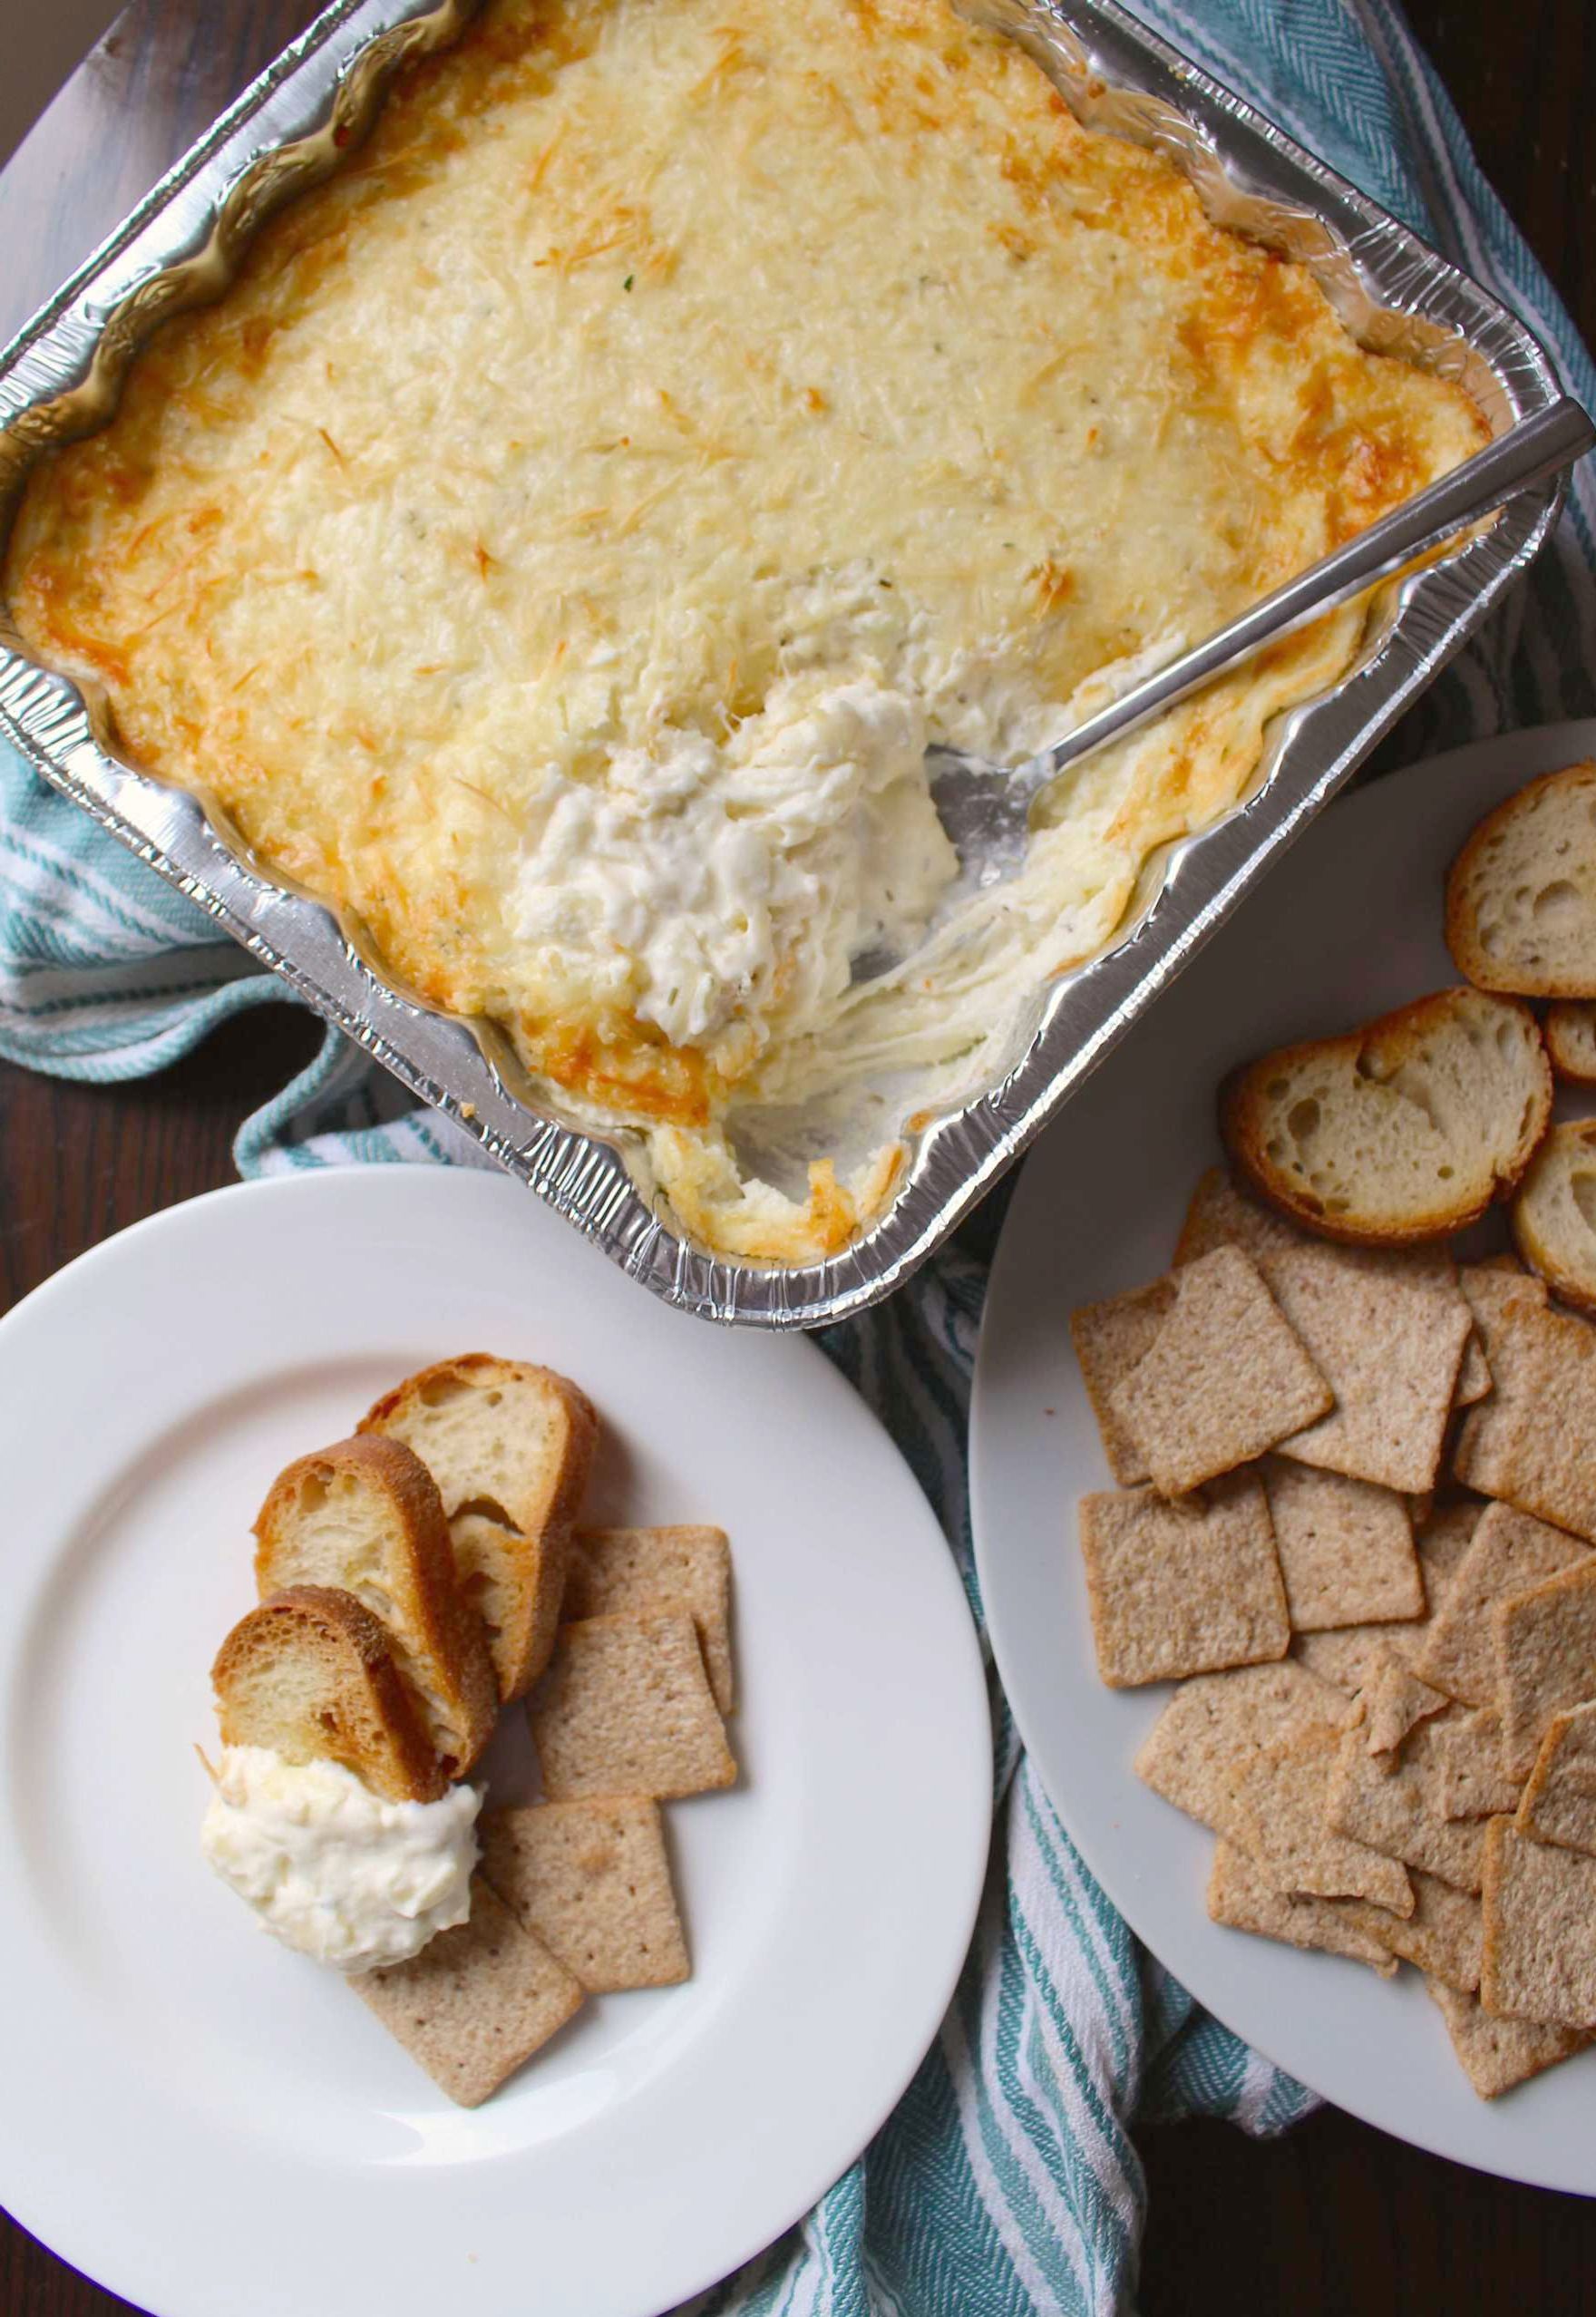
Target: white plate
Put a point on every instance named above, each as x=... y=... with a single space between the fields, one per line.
x=1348 y=926
x=203 y=2121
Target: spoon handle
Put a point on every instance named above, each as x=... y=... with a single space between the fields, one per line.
x=1530 y=451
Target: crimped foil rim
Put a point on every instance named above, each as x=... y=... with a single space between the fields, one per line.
x=290 y=123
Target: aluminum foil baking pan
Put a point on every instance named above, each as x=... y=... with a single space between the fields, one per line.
x=60 y=376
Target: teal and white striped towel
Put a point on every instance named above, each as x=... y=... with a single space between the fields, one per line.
x=1007 y=2183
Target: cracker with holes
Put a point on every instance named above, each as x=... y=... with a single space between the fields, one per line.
x=613 y=1572
x=1243 y=1897
x=1467 y=1757
x=1223 y=1214
x=1559 y=1800
x=592 y=1881
x=1540 y=1948
x=1345 y=1548
x=1279 y=1816
x=1194 y=1752
x=1349 y=1655
x=1498 y=2054
x=1224 y=1379
x=626 y=1708
x=1545 y=1642
x=1532 y=1443
x=1183 y=1587
x=1392 y=1807
x=1441 y=1541
x=1395 y=1701
x=1111 y=1339
x=1509 y=1552
x=476 y=2002
x=1444 y=1935
x=1388 y=1331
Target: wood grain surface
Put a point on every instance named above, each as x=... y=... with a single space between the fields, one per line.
x=1333 y=2221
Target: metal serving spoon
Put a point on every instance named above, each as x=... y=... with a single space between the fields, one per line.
x=986 y=809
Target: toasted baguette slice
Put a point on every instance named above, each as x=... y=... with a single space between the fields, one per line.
x=1401 y=1130
x=1553 y=1216
x=1570 y=1032
x=365 y=1515
x=1521 y=896
x=509 y=1446
x=311 y=1676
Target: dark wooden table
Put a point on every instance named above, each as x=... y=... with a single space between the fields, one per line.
x=1335 y=2220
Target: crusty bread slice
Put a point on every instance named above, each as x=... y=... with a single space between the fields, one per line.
x=509 y=1446
x=1570 y=1032
x=1521 y=896
x=1404 y=1130
x=311 y=1676
x=365 y=1515
x=1554 y=1217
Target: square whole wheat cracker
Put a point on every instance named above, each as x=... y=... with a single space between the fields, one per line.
x=1498 y=2054
x=1466 y=1755
x=1532 y=1443
x=1545 y=1643
x=626 y=1708
x=1279 y=1818
x=1441 y=1541
x=1182 y=1588
x=1111 y=1338
x=613 y=1572
x=1345 y=1548
x=1493 y=1290
x=1490 y=1286
x=1386 y=1331
x=1540 y=1951
x=1474 y=1377
x=1558 y=1802
x=476 y=2002
x=1348 y=1655
x=1242 y=1896
x=1214 y=1723
x=1392 y=1807
x=1510 y=1551
x=1221 y=1214
x=1444 y=1935
x=1395 y=1701
x=1224 y=1379
x=592 y=1881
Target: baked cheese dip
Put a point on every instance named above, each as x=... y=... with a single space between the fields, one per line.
x=558 y=549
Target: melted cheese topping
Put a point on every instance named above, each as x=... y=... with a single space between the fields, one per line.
x=559 y=547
